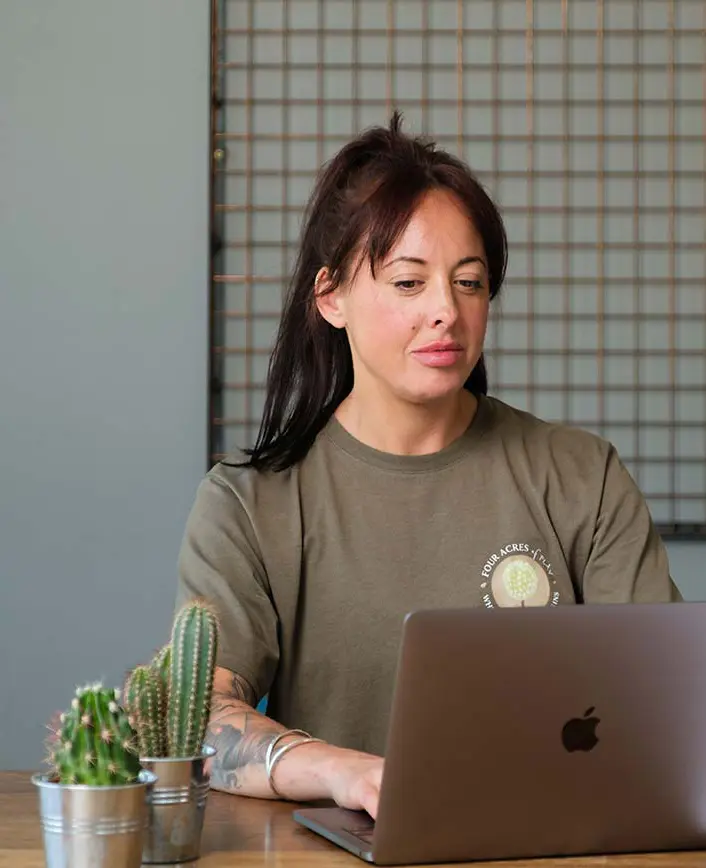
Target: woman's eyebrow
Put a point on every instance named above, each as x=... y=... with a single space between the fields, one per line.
x=467 y=260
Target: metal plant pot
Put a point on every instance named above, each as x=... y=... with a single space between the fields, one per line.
x=176 y=807
x=93 y=826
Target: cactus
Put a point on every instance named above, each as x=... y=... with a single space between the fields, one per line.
x=144 y=702
x=160 y=665
x=170 y=700
x=94 y=743
x=194 y=644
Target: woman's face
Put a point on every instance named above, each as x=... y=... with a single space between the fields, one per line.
x=416 y=330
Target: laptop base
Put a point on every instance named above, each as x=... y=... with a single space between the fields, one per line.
x=351 y=830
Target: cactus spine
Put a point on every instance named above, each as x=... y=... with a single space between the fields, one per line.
x=95 y=743
x=193 y=657
x=144 y=701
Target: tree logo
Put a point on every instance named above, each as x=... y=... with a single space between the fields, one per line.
x=518 y=576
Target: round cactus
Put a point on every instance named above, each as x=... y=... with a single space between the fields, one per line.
x=94 y=743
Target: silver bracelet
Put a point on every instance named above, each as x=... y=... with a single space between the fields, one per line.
x=274 y=759
x=277 y=738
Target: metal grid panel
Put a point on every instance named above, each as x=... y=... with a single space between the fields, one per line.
x=586 y=123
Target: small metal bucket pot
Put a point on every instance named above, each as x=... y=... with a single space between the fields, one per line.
x=93 y=826
x=176 y=807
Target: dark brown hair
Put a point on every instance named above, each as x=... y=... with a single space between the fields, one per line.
x=361 y=204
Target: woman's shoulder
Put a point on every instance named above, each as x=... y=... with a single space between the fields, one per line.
x=544 y=437
x=247 y=483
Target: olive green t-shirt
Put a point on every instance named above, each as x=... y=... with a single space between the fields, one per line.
x=313 y=569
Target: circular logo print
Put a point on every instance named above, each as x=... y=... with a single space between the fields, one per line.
x=520 y=581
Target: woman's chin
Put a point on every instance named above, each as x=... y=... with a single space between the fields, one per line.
x=433 y=393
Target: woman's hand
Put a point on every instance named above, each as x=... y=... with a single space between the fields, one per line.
x=354 y=779
x=312 y=771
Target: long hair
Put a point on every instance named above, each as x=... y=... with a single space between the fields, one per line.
x=361 y=203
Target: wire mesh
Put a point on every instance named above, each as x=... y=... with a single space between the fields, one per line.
x=586 y=123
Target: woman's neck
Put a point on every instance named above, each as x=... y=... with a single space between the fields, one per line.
x=403 y=428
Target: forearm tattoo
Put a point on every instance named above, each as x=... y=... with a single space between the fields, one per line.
x=226 y=703
x=240 y=735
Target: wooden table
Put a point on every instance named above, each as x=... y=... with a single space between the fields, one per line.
x=247 y=833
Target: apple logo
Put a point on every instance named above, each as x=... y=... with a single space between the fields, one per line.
x=579 y=733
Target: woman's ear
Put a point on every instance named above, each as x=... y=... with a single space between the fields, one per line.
x=329 y=302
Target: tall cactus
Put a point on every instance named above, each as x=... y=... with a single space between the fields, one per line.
x=95 y=743
x=144 y=701
x=194 y=645
x=169 y=700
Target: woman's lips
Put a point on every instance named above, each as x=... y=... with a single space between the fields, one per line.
x=439 y=354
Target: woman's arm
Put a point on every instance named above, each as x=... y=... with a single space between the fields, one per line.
x=627 y=561
x=220 y=561
x=312 y=771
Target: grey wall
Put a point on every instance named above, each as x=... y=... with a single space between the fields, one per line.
x=103 y=338
x=686 y=560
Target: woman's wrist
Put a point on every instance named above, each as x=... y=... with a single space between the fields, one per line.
x=305 y=772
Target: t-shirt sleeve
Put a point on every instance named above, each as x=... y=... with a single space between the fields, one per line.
x=220 y=561
x=627 y=560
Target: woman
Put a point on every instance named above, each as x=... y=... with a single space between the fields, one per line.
x=384 y=479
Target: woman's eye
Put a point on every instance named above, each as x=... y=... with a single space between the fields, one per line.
x=469 y=285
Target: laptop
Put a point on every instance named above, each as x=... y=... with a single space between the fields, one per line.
x=539 y=732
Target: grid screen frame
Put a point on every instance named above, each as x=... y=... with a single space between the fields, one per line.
x=586 y=122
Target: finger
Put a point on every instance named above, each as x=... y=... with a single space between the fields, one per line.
x=370 y=797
